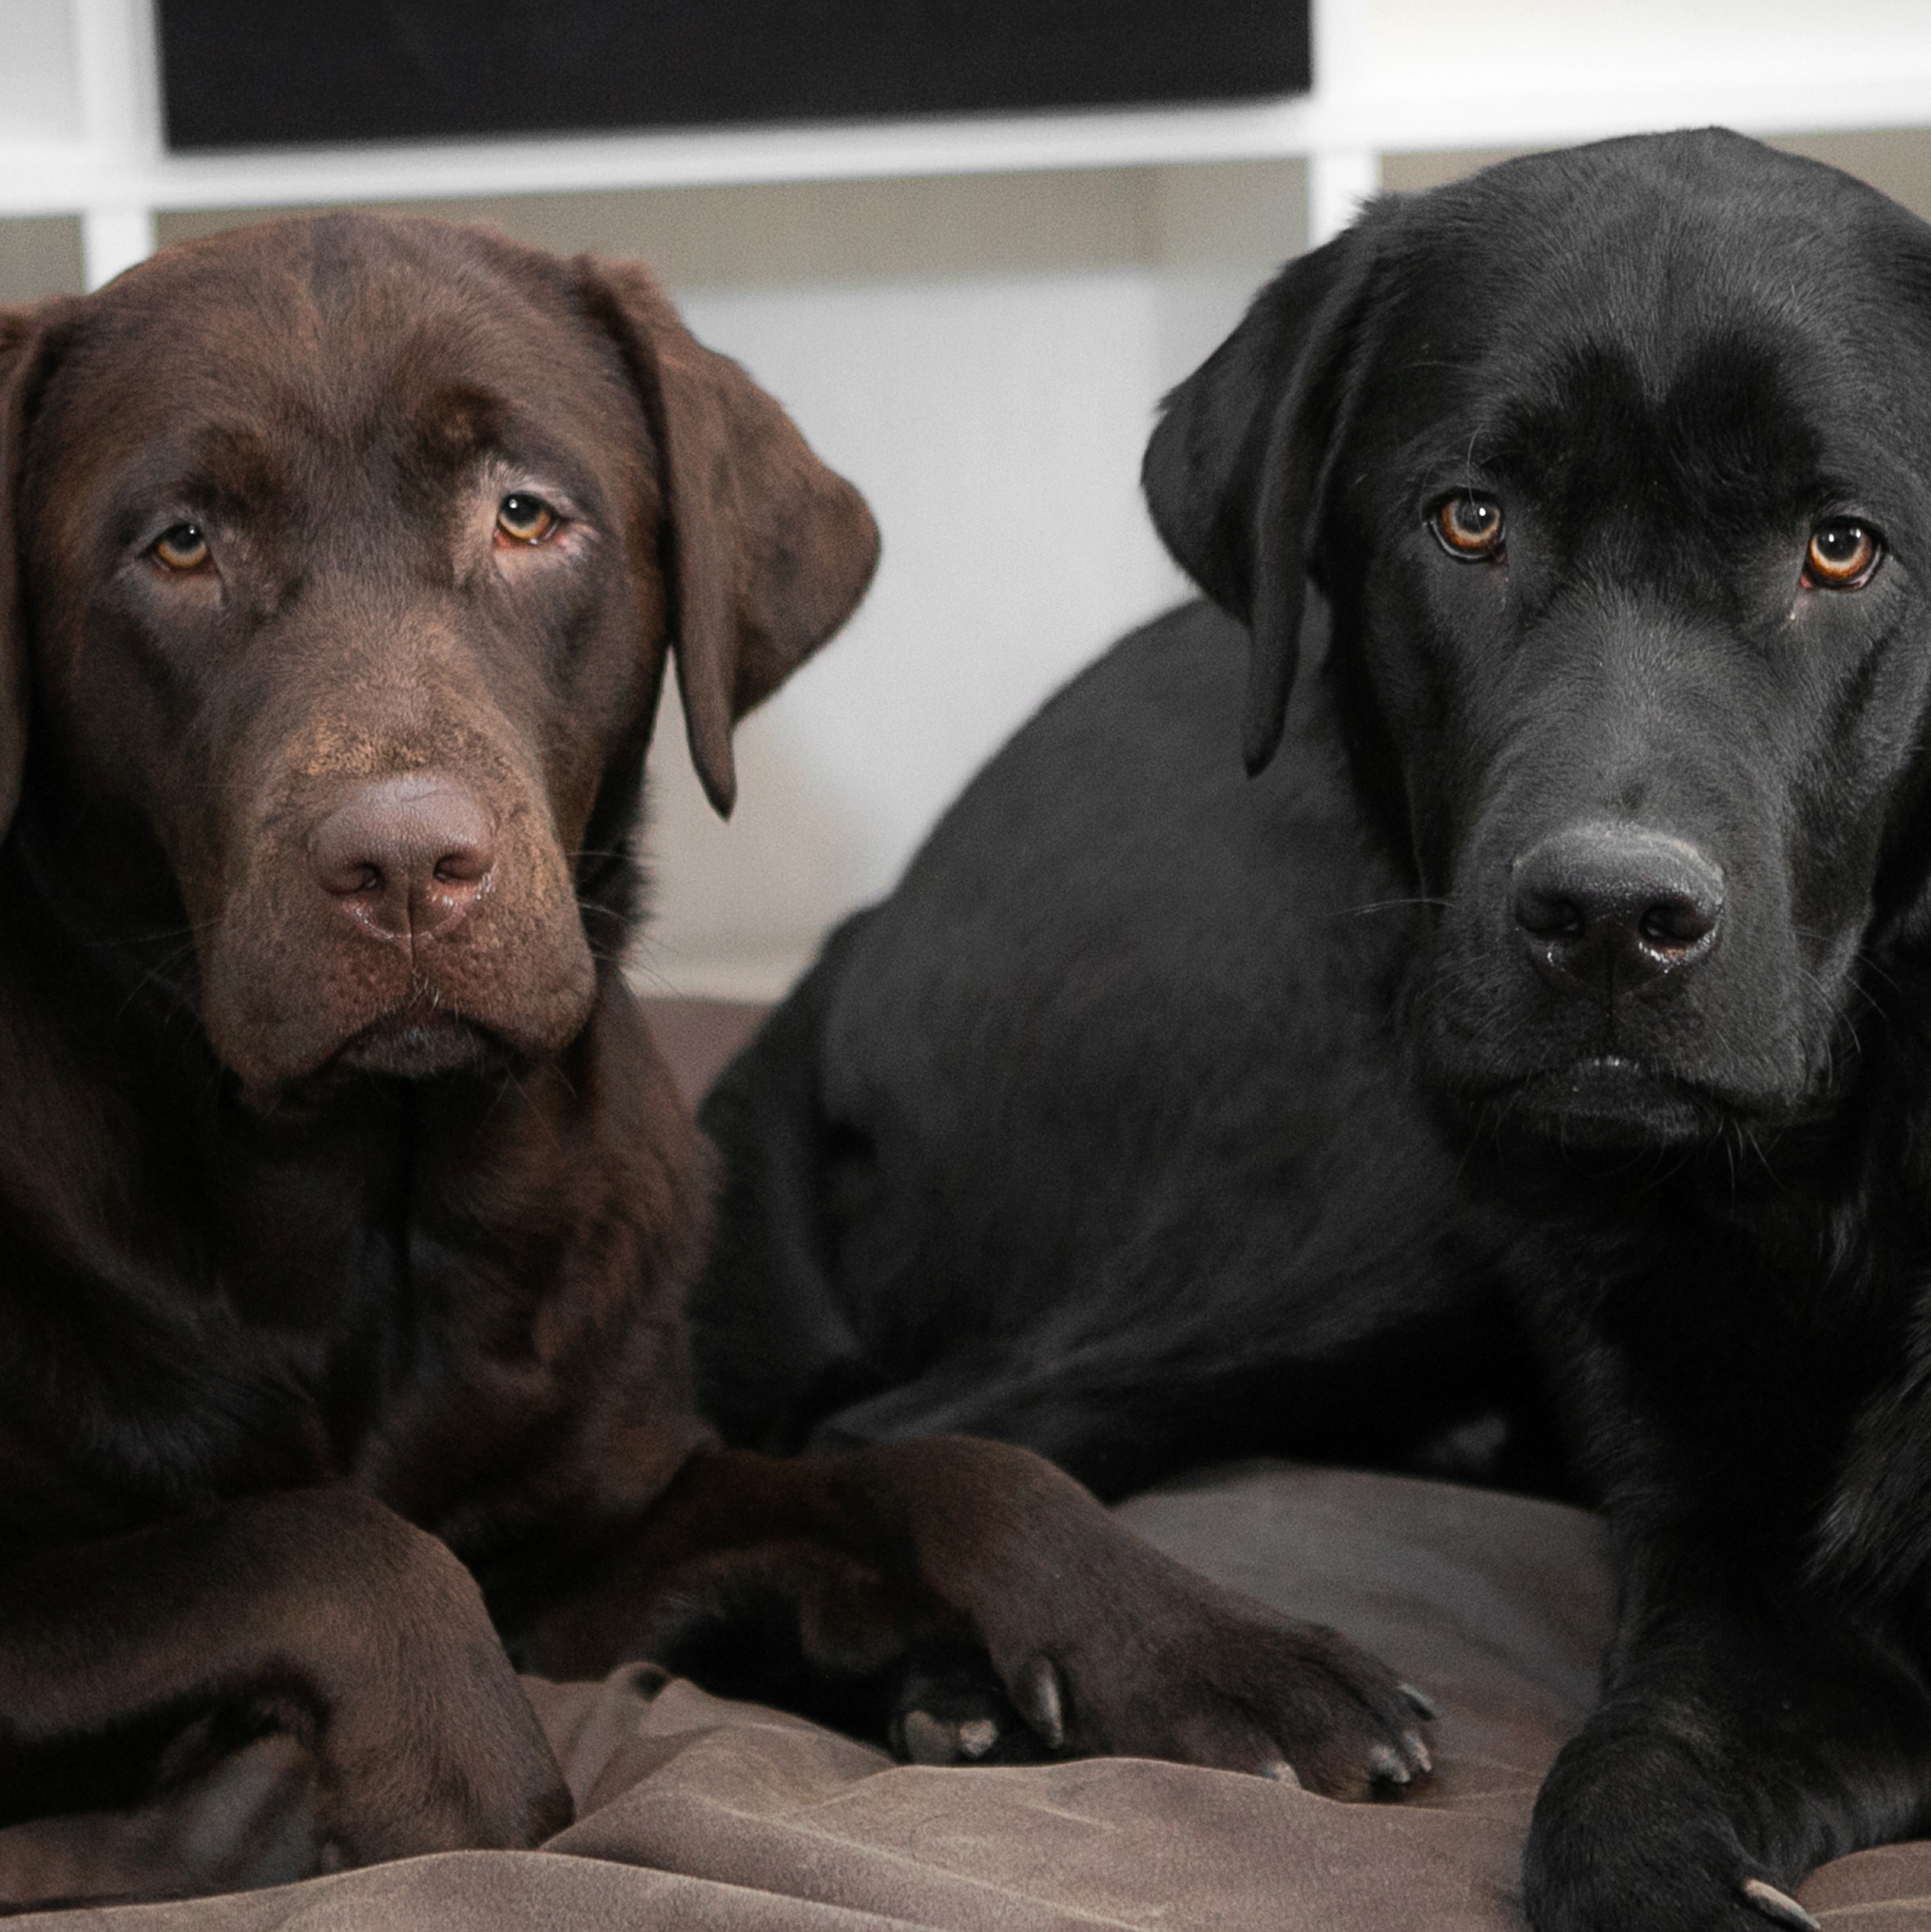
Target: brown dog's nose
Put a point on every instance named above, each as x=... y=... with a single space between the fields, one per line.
x=1610 y=910
x=407 y=856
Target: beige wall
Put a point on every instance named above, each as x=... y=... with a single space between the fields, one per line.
x=1897 y=161
x=39 y=258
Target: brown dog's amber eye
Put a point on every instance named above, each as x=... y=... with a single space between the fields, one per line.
x=1470 y=526
x=181 y=547
x=1842 y=555
x=524 y=519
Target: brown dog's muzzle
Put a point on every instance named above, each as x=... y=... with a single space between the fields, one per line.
x=407 y=858
x=397 y=896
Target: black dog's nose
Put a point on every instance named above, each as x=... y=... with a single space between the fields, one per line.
x=1610 y=910
x=408 y=856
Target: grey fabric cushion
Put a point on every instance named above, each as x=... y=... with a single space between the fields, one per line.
x=696 y=1813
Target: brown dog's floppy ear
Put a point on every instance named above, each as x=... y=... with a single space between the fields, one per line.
x=1233 y=473
x=768 y=552
x=25 y=352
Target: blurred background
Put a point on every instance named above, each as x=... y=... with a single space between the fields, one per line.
x=969 y=279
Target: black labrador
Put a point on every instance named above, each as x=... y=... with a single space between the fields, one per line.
x=1524 y=1074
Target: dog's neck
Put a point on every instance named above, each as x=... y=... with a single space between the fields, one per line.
x=287 y=1207
x=292 y=1275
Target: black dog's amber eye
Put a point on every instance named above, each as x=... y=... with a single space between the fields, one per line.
x=1470 y=526
x=180 y=547
x=1842 y=555
x=524 y=519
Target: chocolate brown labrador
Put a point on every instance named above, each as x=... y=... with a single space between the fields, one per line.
x=345 y=1201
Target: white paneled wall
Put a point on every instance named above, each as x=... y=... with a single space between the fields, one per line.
x=39 y=88
x=995 y=426
x=995 y=422
x=1643 y=49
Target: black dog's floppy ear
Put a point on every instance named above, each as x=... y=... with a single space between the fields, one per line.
x=1233 y=474
x=26 y=352
x=768 y=551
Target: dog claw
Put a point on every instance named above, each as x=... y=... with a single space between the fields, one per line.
x=1776 y=1905
x=926 y=1740
x=977 y=1736
x=1417 y=1751
x=1281 y=1771
x=1040 y=1702
x=1420 y=1702
x=1385 y=1766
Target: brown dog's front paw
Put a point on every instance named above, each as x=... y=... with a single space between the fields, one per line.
x=951 y=1708
x=1102 y=1643
x=1238 y=1687
x=424 y=1739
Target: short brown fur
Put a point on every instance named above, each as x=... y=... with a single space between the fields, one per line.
x=340 y=1232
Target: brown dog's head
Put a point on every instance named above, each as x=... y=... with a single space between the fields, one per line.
x=339 y=563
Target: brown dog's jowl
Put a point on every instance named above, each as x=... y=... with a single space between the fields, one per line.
x=345 y=1202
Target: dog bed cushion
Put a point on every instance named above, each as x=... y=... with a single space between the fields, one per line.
x=696 y=1813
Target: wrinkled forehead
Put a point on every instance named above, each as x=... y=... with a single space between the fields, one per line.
x=1763 y=352
x=260 y=362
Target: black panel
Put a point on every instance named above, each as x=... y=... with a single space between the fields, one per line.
x=261 y=73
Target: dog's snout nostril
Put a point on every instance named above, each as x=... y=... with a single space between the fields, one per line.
x=463 y=865
x=345 y=878
x=1548 y=917
x=406 y=857
x=1609 y=910
x=1677 y=922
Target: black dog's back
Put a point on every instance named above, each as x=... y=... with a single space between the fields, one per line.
x=1122 y=964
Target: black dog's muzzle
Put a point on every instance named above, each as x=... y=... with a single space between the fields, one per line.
x=1608 y=911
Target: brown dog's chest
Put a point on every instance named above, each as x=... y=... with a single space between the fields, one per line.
x=419 y=1297
x=131 y=1401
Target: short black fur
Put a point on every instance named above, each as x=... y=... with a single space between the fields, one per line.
x=1527 y=1075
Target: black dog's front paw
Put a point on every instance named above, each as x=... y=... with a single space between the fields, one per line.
x=1228 y=1683
x=1630 y=1835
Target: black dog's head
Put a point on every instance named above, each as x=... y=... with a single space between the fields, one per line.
x=1614 y=467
